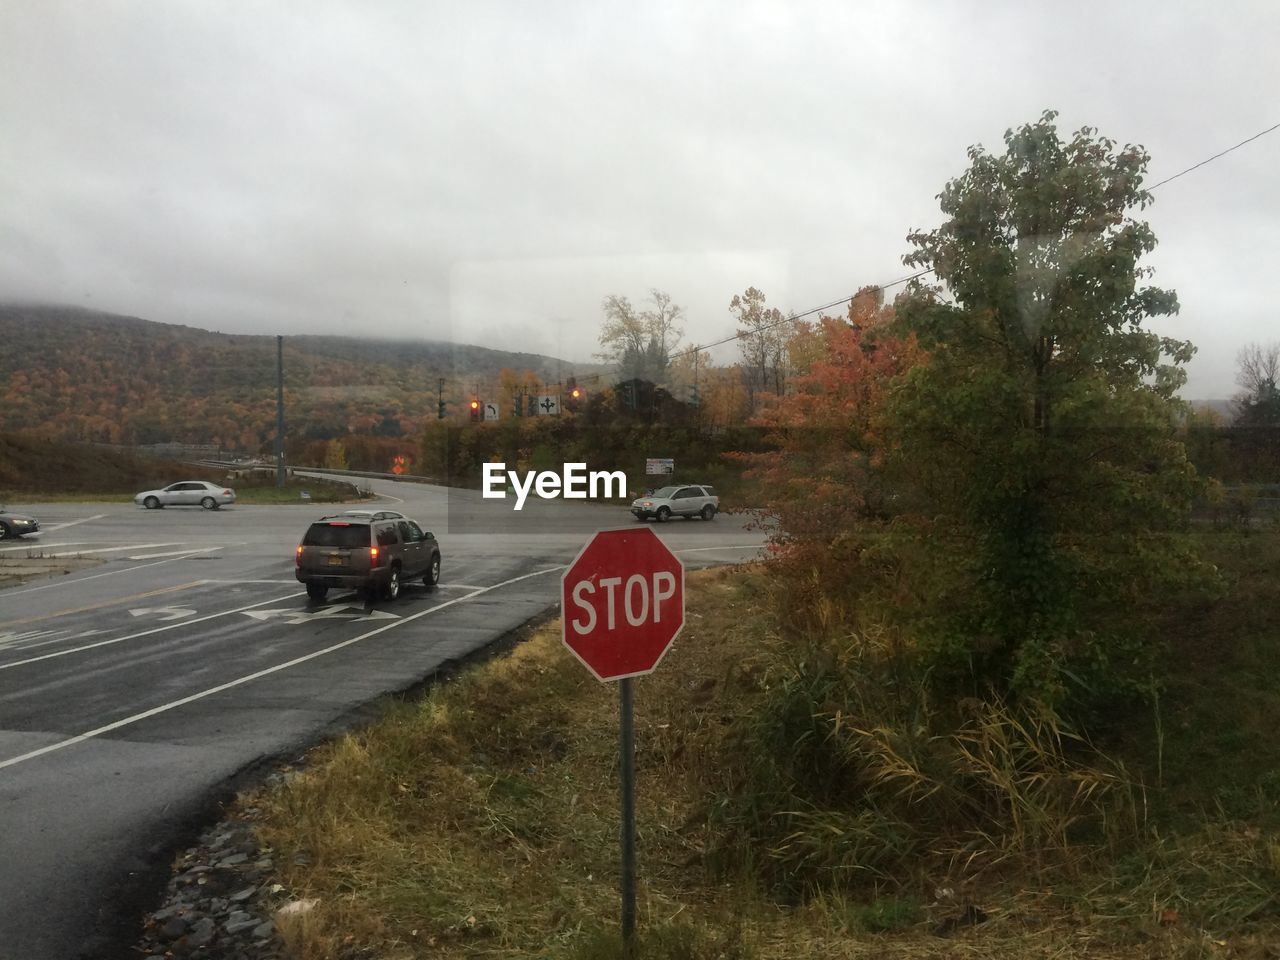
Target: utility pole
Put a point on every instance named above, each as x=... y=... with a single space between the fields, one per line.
x=440 y=400
x=279 y=411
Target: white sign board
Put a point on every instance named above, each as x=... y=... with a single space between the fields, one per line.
x=489 y=409
x=546 y=405
x=659 y=466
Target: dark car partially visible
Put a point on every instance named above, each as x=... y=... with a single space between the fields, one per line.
x=14 y=525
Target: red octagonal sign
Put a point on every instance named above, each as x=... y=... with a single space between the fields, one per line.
x=622 y=602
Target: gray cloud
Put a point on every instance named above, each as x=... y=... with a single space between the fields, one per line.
x=489 y=171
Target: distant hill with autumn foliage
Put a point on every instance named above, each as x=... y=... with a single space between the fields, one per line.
x=89 y=376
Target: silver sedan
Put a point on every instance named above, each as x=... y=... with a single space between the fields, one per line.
x=189 y=493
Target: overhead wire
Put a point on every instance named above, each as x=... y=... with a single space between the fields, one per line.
x=792 y=318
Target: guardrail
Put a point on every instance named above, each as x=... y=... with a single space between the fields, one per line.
x=294 y=468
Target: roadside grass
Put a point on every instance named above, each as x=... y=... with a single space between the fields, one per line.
x=262 y=490
x=37 y=470
x=482 y=820
x=16 y=570
x=33 y=466
x=1211 y=739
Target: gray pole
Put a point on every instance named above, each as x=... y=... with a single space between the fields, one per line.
x=628 y=745
x=279 y=411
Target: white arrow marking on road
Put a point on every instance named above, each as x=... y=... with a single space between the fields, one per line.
x=168 y=613
x=328 y=613
x=249 y=678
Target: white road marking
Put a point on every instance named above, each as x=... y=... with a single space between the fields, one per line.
x=168 y=613
x=68 y=582
x=38 y=545
x=730 y=546
x=192 y=551
x=145 y=633
x=31 y=639
x=72 y=523
x=174 y=704
x=131 y=546
x=458 y=586
x=249 y=581
x=294 y=616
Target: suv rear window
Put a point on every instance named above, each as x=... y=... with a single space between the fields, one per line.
x=337 y=535
x=710 y=491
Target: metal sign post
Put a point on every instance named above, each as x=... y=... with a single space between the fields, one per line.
x=627 y=743
x=622 y=604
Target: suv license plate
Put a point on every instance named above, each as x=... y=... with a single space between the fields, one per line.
x=335 y=560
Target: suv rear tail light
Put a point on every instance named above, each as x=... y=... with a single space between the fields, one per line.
x=297 y=556
x=373 y=556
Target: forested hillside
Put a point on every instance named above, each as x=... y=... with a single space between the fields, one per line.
x=85 y=375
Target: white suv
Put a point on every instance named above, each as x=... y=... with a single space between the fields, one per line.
x=687 y=501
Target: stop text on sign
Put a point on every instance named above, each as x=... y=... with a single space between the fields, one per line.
x=622 y=601
x=636 y=598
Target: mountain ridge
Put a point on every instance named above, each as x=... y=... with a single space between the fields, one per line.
x=83 y=374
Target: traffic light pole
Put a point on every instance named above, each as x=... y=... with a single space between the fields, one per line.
x=279 y=411
x=627 y=743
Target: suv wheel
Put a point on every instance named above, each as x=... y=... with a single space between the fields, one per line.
x=392 y=589
x=664 y=514
x=708 y=512
x=317 y=591
x=433 y=571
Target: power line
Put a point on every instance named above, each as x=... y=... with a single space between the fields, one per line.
x=1197 y=166
x=792 y=318
x=914 y=276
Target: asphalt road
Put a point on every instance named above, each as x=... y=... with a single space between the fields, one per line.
x=133 y=692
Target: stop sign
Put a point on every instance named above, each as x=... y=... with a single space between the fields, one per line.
x=622 y=602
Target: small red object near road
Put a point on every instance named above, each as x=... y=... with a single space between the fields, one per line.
x=622 y=603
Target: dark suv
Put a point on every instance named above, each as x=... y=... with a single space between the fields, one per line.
x=373 y=553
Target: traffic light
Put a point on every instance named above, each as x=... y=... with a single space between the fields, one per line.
x=694 y=399
x=475 y=409
x=519 y=404
x=574 y=393
x=440 y=413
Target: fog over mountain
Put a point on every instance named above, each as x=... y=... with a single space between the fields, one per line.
x=487 y=173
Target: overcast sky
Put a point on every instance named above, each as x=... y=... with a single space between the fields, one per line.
x=487 y=172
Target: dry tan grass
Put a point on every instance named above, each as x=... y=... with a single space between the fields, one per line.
x=482 y=822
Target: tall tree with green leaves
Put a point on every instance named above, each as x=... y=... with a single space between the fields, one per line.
x=1040 y=437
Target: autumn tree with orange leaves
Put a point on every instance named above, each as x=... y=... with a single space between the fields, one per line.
x=824 y=477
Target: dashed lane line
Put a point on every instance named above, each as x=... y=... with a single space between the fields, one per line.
x=146 y=633
x=248 y=678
